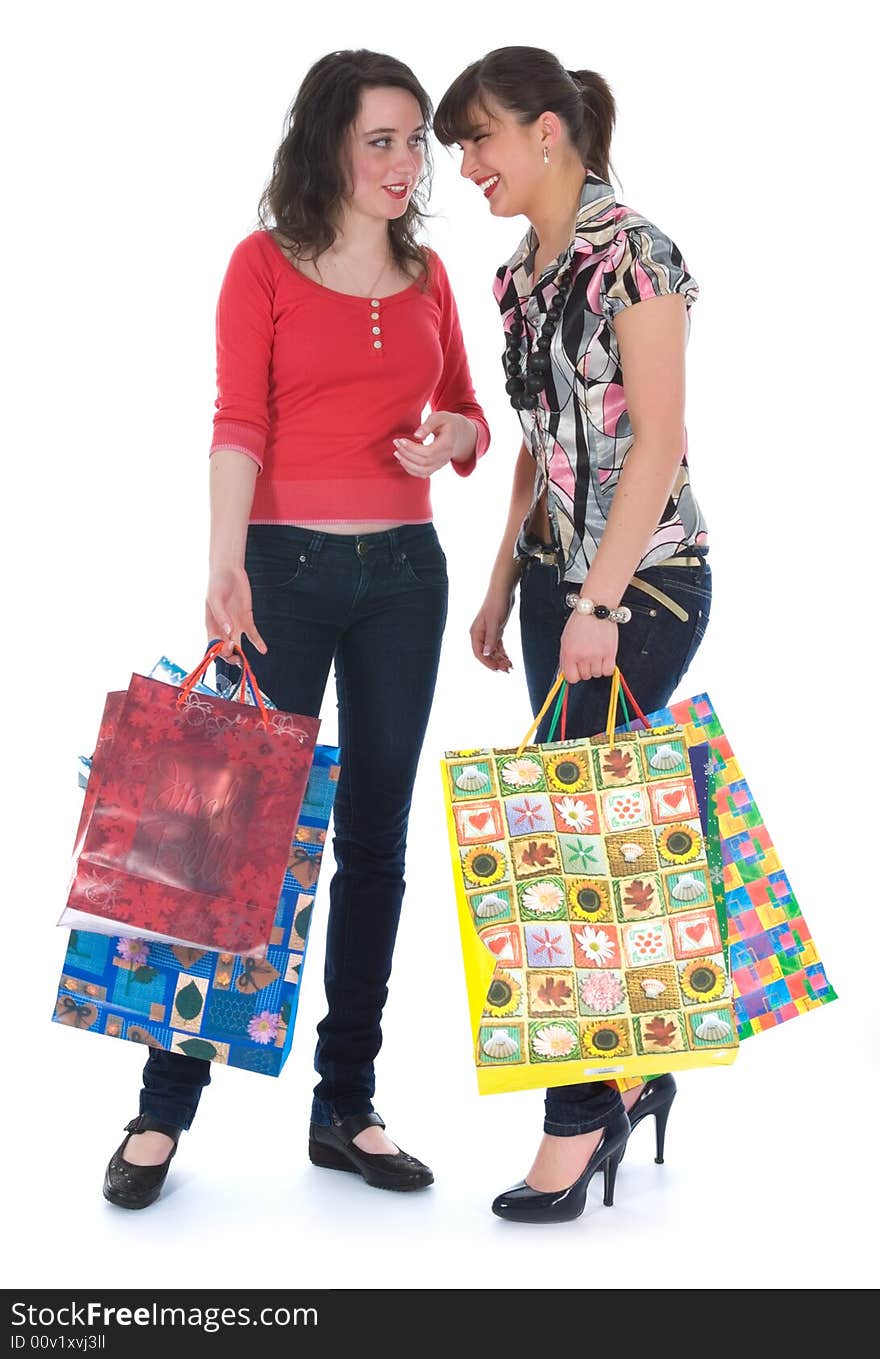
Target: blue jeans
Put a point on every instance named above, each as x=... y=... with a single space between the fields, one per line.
x=655 y=650
x=375 y=604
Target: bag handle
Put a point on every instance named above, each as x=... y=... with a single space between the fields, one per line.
x=620 y=692
x=638 y=712
x=556 y=686
x=247 y=677
x=247 y=682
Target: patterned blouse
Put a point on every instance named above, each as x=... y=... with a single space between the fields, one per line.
x=581 y=433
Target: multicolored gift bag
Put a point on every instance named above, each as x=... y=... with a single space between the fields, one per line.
x=777 y=972
x=593 y=949
x=218 y=1006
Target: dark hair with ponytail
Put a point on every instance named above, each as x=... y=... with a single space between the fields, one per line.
x=309 y=177
x=529 y=82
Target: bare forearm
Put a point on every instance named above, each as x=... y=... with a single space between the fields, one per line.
x=233 y=477
x=505 y=572
x=639 y=501
x=465 y=447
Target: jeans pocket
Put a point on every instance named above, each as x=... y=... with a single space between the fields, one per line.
x=657 y=641
x=424 y=563
x=263 y=575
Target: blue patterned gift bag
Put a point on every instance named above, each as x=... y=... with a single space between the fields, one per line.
x=217 y=1006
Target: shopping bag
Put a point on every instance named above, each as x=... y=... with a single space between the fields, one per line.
x=592 y=943
x=185 y=835
x=171 y=673
x=776 y=970
x=236 y=1010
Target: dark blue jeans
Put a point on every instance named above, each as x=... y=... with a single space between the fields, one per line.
x=655 y=650
x=375 y=604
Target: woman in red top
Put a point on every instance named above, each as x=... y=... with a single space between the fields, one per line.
x=335 y=329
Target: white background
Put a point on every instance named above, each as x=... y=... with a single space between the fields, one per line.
x=139 y=139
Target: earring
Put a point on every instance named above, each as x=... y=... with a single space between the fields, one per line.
x=546 y=155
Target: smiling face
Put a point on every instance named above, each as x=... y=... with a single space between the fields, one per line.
x=386 y=152
x=503 y=157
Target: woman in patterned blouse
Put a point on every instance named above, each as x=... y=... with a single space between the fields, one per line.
x=602 y=512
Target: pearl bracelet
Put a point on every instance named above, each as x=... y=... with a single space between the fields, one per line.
x=577 y=602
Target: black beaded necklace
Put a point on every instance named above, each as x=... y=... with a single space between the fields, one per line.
x=524 y=391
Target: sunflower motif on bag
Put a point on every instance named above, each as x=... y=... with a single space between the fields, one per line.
x=484 y=865
x=608 y=1038
x=703 y=980
x=568 y=772
x=504 y=995
x=679 y=844
x=589 y=900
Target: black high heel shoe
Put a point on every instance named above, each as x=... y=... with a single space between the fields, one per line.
x=655 y=1098
x=131 y=1186
x=524 y=1204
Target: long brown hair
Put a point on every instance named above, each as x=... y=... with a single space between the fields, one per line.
x=530 y=81
x=309 y=175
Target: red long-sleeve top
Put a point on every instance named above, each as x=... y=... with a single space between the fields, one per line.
x=314 y=385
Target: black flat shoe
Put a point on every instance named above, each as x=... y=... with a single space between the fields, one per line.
x=130 y=1186
x=334 y=1149
x=656 y=1098
x=524 y=1204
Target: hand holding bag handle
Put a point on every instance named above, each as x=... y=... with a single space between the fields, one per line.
x=247 y=678
x=620 y=691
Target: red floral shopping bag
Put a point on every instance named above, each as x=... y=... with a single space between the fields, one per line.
x=186 y=835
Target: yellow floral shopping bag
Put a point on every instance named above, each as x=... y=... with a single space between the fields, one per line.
x=593 y=944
